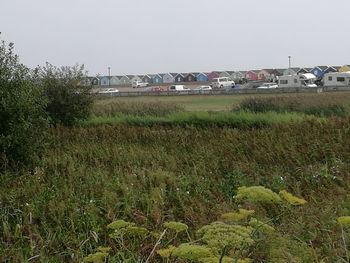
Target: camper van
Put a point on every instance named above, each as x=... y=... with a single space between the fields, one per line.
x=297 y=81
x=336 y=79
x=222 y=82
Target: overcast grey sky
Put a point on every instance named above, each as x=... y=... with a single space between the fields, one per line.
x=150 y=36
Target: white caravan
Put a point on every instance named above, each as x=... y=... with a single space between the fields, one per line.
x=336 y=79
x=297 y=81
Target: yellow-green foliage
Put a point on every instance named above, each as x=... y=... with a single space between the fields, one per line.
x=136 y=231
x=257 y=194
x=118 y=224
x=104 y=249
x=98 y=257
x=261 y=226
x=192 y=252
x=344 y=220
x=166 y=252
x=224 y=260
x=281 y=249
x=237 y=216
x=219 y=235
x=291 y=199
x=177 y=226
x=122 y=228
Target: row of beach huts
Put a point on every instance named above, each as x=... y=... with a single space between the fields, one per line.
x=237 y=76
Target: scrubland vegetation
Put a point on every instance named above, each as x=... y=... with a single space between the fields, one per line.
x=267 y=181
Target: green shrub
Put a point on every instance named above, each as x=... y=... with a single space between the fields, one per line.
x=68 y=102
x=23 y=122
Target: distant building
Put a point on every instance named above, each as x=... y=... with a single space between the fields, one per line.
x=252 y=75
x=212 y=75
x=291 y=71
x=179 y=78
x=190 y=77
x=104 y=81
x=124 y=80
x=238 y=75
x=136 y=78
x=332 y=69
x=318 y=71
x=265 y=74
x=169 y=78
x=115 y=80
x=147 y=79
x=344 y=68
x=202 y=77
x=304 y=70
x=157 y=79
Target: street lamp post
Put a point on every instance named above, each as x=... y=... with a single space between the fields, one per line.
x=289 y=59
x=109 y=76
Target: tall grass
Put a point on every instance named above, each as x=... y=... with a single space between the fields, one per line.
x=201 y=119
x=148 y=175
x=319 y=104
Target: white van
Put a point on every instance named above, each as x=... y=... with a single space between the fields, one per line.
x=336 y=79
x=297 y=81
x=139 y=84
x=223 y=82
x=178 y=88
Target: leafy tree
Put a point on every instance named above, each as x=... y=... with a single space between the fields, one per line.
x=23 y=121
x=68 y=101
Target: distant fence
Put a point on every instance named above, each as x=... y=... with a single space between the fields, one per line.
x=227 y=92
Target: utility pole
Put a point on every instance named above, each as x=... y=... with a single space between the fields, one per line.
x=109 y=76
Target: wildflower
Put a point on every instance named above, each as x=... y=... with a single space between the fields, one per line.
x=166 y=252
x=259 y=225
x=118 y=224
x=344 y=220
x=219 y=235
x=192 y=252
x=291 y=199
x=234 y=216
x=177 y=226
x=104 y=249
x=257 y=194
x=98 y=257
x=136 y=231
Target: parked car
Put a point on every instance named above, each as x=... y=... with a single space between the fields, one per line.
x=109 y=91
x=155 y=89
x=270 y=85
x=203 y=89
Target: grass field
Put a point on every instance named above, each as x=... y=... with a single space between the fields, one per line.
x=215 y=102
x=190 y=103
x=146 y=161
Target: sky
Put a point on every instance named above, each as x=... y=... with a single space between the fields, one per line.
x=158 y=36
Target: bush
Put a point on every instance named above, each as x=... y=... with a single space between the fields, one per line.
x=68 y=101
x=22 y=116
